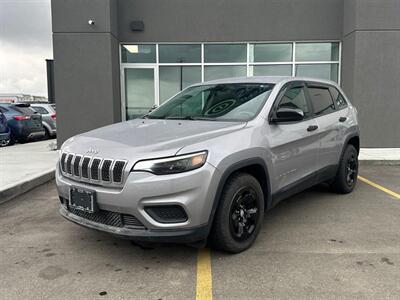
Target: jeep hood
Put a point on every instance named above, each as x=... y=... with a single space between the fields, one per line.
x=145 y=138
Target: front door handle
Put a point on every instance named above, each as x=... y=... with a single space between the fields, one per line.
x=342 y=119
x=312 y=128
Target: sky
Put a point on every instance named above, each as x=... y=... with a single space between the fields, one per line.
x=25 y=43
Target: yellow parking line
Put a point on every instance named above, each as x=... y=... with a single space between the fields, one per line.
x=379 y=187
x=204 y=277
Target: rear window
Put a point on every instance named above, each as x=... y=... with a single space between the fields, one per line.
x=321 y=100
x=53 y=106
x=41 y=110
x=23 y=110
x=3 y=109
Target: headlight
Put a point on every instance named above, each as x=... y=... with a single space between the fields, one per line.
x=172 y=165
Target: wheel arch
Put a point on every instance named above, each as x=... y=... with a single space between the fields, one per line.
x=253 y=166
x=355 y=141
x=352 y=139
x=46 y=126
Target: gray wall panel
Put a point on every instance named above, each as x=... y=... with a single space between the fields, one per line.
x=231 y=20
x=73 y=16
x=378 y=14
x=348 y=60
x=349 y=16
x=377 y=87
x=85 y=82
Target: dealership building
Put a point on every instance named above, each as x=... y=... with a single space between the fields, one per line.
x=115 y=59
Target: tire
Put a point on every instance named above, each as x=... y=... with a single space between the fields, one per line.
x=239 y=216
x=46 y=134
x=12 y=140
x=346 y=177
x=5 y=142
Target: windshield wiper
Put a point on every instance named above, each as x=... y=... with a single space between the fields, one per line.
x=194 y=118
x=148 y=116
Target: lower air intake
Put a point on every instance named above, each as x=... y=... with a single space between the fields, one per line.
x=167 y=213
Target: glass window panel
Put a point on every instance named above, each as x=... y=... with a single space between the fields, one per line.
x=225 y=53
x=139 y=91
x=321 y=100
x=317 y=51
x=270 y=52
x=322 y=71
x=138 y=53
x=219 y=72
x=295 y=98
x=175 y=79
x=338 y=97
x=272 y=70
x=190 y=53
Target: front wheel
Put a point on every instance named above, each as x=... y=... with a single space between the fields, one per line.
x=346 y=177
x=239 y=216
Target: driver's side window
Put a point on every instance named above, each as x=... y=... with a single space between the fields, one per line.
x=295 y=97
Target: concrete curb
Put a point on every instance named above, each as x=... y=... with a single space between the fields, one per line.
x=24 y=186
x=379 y=162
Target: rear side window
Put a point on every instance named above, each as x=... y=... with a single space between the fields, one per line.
x=321 y=100
x=338 y=98
x=295 y=97
x=41 y=110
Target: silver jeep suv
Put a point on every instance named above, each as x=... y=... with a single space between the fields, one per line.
x=210 y=161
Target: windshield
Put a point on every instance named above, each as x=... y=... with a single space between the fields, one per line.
x=224 y=102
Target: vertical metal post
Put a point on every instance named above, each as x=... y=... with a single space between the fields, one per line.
x=50 y=80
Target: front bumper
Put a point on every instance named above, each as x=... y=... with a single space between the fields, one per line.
x=194 y=191
x=28 y=133
x=146 y=235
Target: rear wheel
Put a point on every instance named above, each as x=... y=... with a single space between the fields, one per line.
x=239 y=215
x=12 y=140
x=346 y=177
x=46 y=134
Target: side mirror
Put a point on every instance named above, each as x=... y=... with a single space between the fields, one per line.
x=285 y=114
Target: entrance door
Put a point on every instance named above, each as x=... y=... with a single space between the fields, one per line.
x=140 y=90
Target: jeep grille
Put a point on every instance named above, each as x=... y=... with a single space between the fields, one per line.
x=92 y=169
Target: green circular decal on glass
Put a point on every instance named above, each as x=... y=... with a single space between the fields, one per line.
x=220 y=108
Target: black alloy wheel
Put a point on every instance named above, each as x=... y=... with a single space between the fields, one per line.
x=351 y=169
x=244 y=214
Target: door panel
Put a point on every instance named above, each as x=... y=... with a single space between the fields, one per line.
x=294 y=151
x=331 y=135
x=330 y=130
x=139 y=91
x=294 y=147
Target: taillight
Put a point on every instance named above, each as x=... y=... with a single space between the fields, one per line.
x=20 y=118
x=53 y=116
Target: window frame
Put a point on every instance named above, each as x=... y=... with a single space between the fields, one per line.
x=248 y=64
x=319 y=85
x=278 y=99
x=329 y=87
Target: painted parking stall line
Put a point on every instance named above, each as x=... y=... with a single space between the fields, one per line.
x=379 y=187
x=204 y=275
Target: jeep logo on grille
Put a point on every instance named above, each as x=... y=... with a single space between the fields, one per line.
x=92 y=151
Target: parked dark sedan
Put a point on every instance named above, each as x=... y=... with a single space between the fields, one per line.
x=5 y=133
x=24 y=122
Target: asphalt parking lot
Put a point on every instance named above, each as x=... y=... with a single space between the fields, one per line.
x=313 y=245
